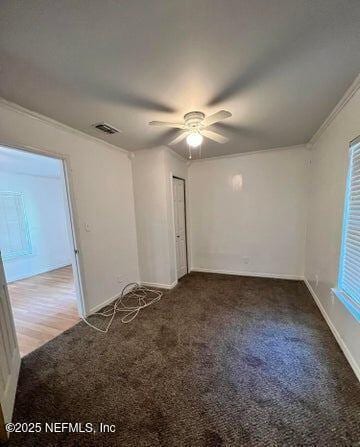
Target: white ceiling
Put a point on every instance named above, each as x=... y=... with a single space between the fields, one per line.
x=279 y=66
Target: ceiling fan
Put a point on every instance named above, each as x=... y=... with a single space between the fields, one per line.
x=195 y=127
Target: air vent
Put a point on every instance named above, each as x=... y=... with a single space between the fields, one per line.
x=106 y=128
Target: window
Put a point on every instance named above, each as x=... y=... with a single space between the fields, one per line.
x=349 y=272
x=14 y=230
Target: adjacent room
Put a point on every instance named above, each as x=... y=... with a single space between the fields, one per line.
x=180 y=223
x=36 y=246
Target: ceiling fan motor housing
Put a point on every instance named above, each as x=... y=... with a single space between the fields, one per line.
x=193 y=120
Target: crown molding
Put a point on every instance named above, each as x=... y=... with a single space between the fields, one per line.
x=240 y=154
x=51 y=122
x=350 y=92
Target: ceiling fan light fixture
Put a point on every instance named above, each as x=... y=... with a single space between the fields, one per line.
x=194 y=139
x=194 y=128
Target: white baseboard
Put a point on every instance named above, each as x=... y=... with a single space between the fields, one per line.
x=341 y=343
x=108 y=301
x=158 y=285
x=113 y=298
x=103 y=304
x=242 y=273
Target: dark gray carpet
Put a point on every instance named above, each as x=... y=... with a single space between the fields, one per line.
x=220 y=361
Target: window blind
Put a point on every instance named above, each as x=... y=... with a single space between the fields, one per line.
x=14 y=231
x=349 y=273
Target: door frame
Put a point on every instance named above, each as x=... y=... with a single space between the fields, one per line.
x=9 y=393
x=4 y=436
x=72 y=219
x=186 y=225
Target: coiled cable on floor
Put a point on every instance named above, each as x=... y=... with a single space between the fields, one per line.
x=131 y=301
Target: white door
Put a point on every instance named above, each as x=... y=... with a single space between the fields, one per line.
x=180 y=226
x=9 y=354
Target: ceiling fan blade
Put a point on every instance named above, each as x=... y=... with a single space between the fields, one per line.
x=214 y=136
x=164 y=123
x=215 y=117
x=179 y=138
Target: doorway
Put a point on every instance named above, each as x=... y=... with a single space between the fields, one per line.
x=38 y=246
x=180 y=226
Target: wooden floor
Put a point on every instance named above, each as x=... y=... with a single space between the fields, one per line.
x=44 y=306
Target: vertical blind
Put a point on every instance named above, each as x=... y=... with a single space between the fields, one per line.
x=349 y=274
x=14 y=230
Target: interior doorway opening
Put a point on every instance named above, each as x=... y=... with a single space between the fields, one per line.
x=37 y=246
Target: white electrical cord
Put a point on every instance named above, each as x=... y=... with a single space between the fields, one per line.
x=138 y=292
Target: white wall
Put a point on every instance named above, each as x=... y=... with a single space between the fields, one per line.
x=153 y=170
x=103 y=198
x=44 y=203
x=329 y=162
x=258 y=229
x=151 y=216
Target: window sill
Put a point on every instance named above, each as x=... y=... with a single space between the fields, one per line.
x=352 y=307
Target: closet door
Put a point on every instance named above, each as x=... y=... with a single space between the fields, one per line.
x=180 y=226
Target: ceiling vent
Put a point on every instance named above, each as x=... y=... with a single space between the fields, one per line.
x=106 y=128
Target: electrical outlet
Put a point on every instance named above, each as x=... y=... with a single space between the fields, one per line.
x=246 y=260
